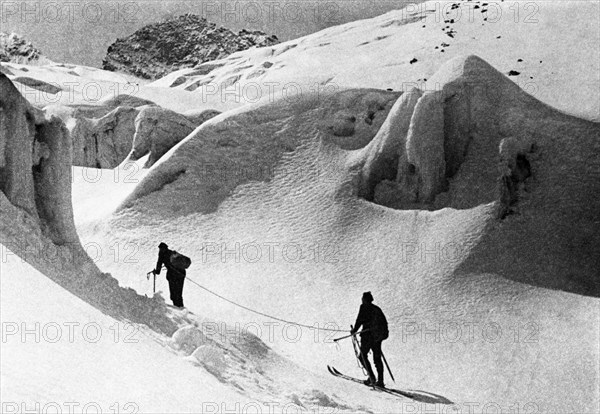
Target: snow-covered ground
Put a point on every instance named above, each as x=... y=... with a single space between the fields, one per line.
x=60 y=352
x=271 y=196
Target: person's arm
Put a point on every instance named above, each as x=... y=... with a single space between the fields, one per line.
x=360 y=319
x=159 y=264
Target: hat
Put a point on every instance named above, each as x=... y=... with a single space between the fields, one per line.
x=367 y=296
x=163 y=245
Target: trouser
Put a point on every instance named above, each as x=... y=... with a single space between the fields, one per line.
x=369 y=344
x=176 y=290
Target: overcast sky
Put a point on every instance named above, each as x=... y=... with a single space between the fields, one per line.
x=79 y=31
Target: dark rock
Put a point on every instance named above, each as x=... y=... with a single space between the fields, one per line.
x=14 y=48
x=181 y=42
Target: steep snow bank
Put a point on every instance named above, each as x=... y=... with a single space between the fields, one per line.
x=57 y=351
x=35 y=201
x=35 y=160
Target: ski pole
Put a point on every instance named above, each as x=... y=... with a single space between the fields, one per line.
x=388 y=367
x=351 y=335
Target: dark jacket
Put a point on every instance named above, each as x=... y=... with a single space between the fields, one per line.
x=373 y=321
x=164 y=258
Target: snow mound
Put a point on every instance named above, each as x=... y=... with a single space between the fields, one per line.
x=123 y=130
x=222 y=155
x=157 y=130
x=211 y=358
x=188 y=338
x=321 y=399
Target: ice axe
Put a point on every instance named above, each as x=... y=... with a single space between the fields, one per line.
x=153 y=280
x=350 y=336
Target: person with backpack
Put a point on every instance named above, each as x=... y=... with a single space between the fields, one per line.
x=176 y=264
x=375 y=331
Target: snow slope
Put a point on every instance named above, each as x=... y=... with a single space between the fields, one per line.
x=271 y=192
x=550 y=44
x=63 y=83
x=60 y=354
x=85 y=359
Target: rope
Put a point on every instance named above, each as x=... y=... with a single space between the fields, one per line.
x=358 y=353
x=258 y=312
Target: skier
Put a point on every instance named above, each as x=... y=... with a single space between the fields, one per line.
x=175 y=277
x=375 y=330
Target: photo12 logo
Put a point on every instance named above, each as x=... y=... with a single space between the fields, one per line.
x=70 y=407
x=269 y=252
x=270 y=12
x=71 y=92
x=269 y=332
x=70 y=332
x=68 y=11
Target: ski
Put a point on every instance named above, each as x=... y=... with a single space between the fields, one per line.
x=391 y=391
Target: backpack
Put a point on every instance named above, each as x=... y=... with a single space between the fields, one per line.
x=382 y=325
x=179 y=261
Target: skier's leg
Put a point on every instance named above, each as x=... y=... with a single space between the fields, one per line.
x=181 y=292
x=365 y=347
x=377 y=360
x=177 y=292
x=172 y=290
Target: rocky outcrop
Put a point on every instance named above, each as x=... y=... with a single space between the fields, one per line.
x=35 y=164
x=13 y=48
x=182 y=42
